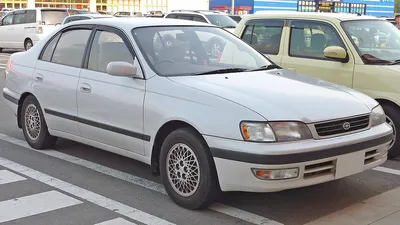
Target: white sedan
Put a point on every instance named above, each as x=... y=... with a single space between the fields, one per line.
x=238 y=123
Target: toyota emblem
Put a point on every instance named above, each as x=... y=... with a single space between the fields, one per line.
x=346 y=125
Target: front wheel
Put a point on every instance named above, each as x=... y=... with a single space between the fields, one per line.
x=28 y=44
x=34 y=125
x=187 y=169
x=393 y=119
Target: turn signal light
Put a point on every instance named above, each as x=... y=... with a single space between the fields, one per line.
x=276 y=174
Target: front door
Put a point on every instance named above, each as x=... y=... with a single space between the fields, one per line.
x=304 y=52
x=110 y=109
x=6 y=31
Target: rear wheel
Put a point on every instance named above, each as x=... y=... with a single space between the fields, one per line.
x=34 y=125
x=393 y=119
x=28 y=44
x=187 y=169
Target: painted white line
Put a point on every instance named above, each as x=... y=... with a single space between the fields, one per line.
x=2 y=67
x=9 y=177
x=228 y=210
x=117 y=221
x=34 y=204
x=84 y=194
x=387 y=170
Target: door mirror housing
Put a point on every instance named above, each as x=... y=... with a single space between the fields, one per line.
x=121 y=69
x=336 y=53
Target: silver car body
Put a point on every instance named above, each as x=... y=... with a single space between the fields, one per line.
x=124 y=115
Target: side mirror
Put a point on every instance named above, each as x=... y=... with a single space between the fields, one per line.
x=336 y=53
x=121 y=69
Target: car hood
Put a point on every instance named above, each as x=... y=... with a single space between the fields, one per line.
x=283 y=95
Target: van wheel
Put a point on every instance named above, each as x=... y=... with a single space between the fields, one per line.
x=34 y=125
x=187 y=169
x=28 y=44
x=393 y=119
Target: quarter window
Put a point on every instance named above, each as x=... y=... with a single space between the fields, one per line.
x=172 y=16
x=264 y=35
x=48 y=52
x=71 y=47
x=108 y=47
x=30 y=16
x=308 y=39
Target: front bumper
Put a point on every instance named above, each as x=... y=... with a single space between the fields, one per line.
x=318 y=160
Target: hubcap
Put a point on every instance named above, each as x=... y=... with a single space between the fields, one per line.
x=28 y=45
x=183 y=170
x=390 y=122
x=215 y=49
x=32 y=122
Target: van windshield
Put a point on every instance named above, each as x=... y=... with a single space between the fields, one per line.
x=53 y=17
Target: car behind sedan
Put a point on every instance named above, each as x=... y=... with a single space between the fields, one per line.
x=205 y=124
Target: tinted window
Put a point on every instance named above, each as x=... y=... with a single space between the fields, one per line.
x=53 y=17
x=199 y=19
x=19 y=17
x=185 y=17
x=172 y=16
x=30 y=16
x=108 y=47
x=264 y=35
x=70 y=48
x=309 y=39
x=222 y=21
x=7 y=20
x=48 y=52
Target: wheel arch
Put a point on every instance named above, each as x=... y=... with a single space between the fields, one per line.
x=20 y=102
x=383 y=101
x=162 y=133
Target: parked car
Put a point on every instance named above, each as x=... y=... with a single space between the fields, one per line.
x=359 y=52
x=128 y=14
x=3 y=13
x=215 y=45
x=23 y=28
x=72 y=18
x=113 y=84
x=104 y=13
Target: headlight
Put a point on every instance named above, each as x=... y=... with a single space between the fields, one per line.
x=274 y=131
x=377 y=116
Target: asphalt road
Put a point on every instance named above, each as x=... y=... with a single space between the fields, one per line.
x=78 y=184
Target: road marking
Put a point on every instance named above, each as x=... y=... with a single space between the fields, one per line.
x=2 y=67
x=84 y=194
x=9 y=177
x=117 y=221
x=34 y=204
x=224 y=209
x=387 y=170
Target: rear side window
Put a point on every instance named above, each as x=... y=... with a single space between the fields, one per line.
x=48 y=52
x=53 y=17
x=185 y=17
x=30 y=16
x=264 y=35
x=70 y=48
x=199 y=19
x=172 y=16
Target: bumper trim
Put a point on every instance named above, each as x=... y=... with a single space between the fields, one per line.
x=10 y=98
x=297 y=157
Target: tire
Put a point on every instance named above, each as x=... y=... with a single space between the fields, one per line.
x=206 y=186
x=34 y=125
x=393 y=118
x=28 y=44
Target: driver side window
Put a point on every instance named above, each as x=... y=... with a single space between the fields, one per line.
x=7 y=20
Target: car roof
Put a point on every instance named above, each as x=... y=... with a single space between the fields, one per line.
x=128 y=23
x=91 y=15
x=206 y=12
x=309 y=15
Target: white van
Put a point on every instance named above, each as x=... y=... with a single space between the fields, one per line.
x=22 y=28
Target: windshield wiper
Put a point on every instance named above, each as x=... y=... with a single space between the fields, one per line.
x=228 y=70
x=269 y=67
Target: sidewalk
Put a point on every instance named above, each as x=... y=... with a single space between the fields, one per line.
x=383 y=209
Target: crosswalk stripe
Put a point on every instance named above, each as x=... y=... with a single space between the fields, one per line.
x=84 y=194
x=117 y=221
x=221 y=208
x=34 y=204
x=9 y=177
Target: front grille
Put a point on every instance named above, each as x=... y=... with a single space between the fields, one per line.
x=342 y=126
x=320 y=169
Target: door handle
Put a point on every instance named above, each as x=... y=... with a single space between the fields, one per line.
x=39 y=77
x=86 y=88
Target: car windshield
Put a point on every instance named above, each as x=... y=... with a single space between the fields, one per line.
x=377 y=41
x=222 y=20
x=193 y=50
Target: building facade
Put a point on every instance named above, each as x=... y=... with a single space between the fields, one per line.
x=380 y=8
